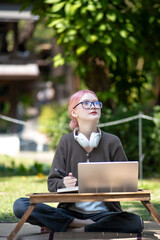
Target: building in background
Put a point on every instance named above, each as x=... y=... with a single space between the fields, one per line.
x=23 y=75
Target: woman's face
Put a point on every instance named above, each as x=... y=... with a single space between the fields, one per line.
x=87 y=114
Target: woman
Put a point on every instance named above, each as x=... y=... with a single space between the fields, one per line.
x=86 y=143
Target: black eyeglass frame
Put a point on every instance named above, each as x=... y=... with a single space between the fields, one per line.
x=91 y=103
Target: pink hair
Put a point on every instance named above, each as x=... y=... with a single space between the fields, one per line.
x=74 y=100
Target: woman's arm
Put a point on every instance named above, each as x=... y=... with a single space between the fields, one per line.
x=55 y=180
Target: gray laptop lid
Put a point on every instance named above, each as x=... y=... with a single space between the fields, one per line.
x=94 y=177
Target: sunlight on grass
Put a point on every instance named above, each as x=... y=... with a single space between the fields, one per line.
x=137 y=207
x=15 y=187
x=18 y=186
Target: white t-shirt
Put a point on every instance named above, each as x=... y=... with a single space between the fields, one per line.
x=88 y=207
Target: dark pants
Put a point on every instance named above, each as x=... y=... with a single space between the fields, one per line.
x=59 y=219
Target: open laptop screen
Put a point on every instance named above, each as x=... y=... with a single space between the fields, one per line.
x=95 y=177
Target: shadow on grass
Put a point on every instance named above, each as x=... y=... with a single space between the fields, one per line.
x=138 y=208
x=8 y=218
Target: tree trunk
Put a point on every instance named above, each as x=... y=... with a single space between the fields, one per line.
x=97 y=79
x=25 y=34
x=157 y=90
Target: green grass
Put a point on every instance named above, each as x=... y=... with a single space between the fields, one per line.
x=13 y=186
x=18 y=186
x=136 y=207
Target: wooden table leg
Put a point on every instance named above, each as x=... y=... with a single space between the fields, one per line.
x=149 y=206
x=21 y=222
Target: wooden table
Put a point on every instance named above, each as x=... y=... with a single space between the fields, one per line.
x=35 y=198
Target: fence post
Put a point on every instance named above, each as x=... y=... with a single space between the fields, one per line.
x=140 y=146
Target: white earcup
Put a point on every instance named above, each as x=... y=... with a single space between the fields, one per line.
x=81 y=139
x=84 y=142
x=94 y=139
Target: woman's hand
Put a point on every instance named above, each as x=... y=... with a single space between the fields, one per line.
x=69 y=181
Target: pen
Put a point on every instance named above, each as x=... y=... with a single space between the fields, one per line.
x=64 y=174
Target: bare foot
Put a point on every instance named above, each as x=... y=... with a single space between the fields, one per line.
x=45 y=230
x=79 y=223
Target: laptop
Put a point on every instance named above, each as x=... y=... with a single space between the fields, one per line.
x=96 y=177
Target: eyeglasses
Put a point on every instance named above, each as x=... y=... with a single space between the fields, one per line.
x=88 y=104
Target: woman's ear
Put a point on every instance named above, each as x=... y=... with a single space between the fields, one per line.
x=73 y=113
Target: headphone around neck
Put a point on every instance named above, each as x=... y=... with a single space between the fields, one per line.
x=84 y=142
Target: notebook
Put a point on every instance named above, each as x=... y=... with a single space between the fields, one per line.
x=95 y=177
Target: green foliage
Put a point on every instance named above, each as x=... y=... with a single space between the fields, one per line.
x=10 y=166
x=155 y=139
x=109 y=42
x=115 y=47
x=128 y=133
x=54 y=120
x=93 y=29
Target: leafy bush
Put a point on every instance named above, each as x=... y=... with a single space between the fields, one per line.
x=155 y=142
x=54 y=120
x=128 y=133
x=12 y=167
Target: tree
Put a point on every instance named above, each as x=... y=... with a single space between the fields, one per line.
x=113 y=45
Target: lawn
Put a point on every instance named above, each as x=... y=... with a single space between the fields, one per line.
x=17 y=178
x=151 y=184
x=16 y=181
x=17 y=186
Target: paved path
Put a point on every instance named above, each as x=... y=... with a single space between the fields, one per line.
x=30 y=232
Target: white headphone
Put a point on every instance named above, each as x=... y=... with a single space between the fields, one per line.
x=84 y=142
